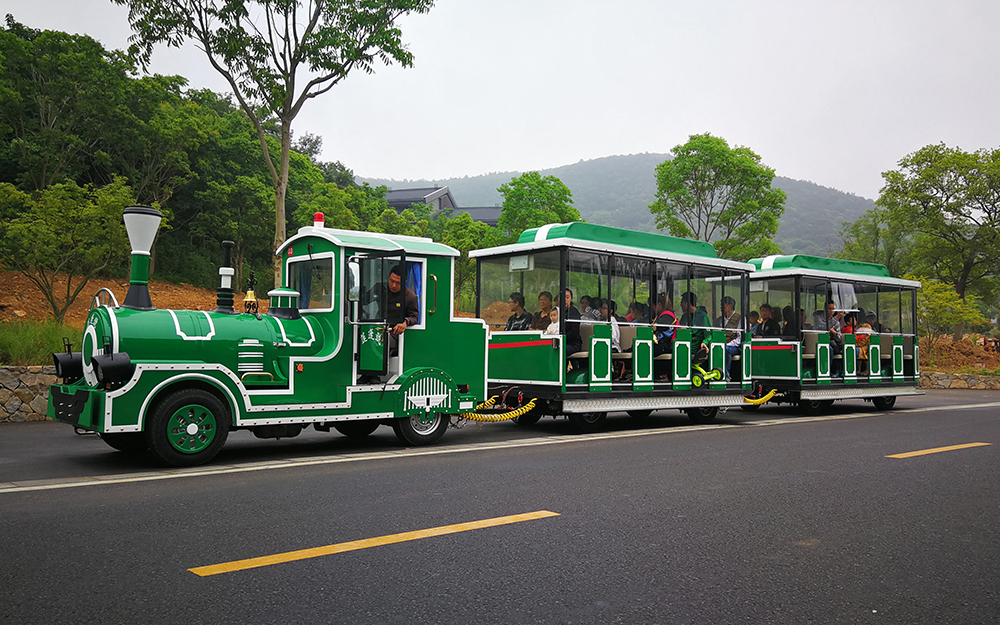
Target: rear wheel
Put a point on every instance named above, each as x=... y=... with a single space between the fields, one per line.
x=528 y=419
x=885 y=403
x=421 y=429
x=588 y=421
x=811 y=406
x=356 y=429
x=129 y=442
x=702 y=415
x=187 y=428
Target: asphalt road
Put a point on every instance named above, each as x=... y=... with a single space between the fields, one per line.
x=764 y=518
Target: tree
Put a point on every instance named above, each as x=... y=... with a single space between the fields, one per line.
x=940 y=310
x=465 y=235
x=711 y=192
x=68 y=229
x=876 y=238
x=276 y=55
x=951 y=199
x=530 y=201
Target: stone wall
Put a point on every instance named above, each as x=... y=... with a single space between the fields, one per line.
x=934 y=379
x=24 y=392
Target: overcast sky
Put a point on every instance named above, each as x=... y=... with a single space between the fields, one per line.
x=832 y=92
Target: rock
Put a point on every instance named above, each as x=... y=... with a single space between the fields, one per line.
x=8 y=380
x=24 y=394
x=39 y=405
x=13 y=405
x=958 y=383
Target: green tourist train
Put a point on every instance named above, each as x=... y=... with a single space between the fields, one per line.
x=574 y=320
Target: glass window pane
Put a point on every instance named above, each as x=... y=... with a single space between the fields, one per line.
x=773 y=299
x=867 y=302
x=906 y=310
x=586 y=278
x=671 y=280
x=313 y=279
x=703 y=296
x=812 y=302
x=535 y=276
x=629 y=283
x=888 y=309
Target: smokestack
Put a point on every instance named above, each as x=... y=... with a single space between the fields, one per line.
x=141 y=223
x=224 y=297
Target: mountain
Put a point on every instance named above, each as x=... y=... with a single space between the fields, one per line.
x=617 y=191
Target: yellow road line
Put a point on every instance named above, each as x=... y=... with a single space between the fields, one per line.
x=937 y=450
x=354 y=545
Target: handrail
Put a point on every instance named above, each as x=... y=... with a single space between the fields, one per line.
x=97 y=301
x=249 y=373
x=434 y=310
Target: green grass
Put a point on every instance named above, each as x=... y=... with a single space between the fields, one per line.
x=26 y=343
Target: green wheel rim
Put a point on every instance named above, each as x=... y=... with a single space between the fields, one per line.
x=191 y=429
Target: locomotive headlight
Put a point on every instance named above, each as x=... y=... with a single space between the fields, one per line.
x=112 y=368
x=69 y=366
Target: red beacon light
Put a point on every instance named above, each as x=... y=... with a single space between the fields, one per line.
x=318 y=220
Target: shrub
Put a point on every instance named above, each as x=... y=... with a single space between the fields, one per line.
x=26 y=343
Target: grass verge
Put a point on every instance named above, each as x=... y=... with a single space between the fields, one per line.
x=26 y=343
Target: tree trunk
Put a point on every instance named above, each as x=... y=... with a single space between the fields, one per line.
x=280 y=190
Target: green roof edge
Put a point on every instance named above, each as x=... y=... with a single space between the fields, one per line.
x=595 y=233
x=817 y=263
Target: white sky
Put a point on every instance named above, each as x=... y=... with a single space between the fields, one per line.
x=832 y=92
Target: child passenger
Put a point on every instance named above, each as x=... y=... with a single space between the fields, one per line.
x=554 y=319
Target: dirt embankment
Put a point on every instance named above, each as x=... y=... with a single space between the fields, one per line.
x=21 y=299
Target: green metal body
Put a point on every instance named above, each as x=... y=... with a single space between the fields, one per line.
x=272 y=371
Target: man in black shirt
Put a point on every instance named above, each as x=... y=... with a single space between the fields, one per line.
x=402 y=309
x=520 y=320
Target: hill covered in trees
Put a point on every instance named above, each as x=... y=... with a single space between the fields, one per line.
x=617 y=191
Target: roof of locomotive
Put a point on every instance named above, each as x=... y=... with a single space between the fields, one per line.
x=374 y=241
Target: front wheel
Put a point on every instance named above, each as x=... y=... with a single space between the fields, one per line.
x=811 y=406
x=188 y=427
x=702 y=415
x=588 y=421
x=356 y=429
x=884 y=403
x=421 y=429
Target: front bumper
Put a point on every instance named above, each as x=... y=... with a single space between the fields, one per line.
x=80 y=406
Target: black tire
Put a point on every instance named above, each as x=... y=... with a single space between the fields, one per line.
x=639 y=415
x=884 y=403
x=527 y=419
x=827 y=404
x=749 y=407
x=129 y=442
x=697 y=380
x=702 y=415
x=188 y=427
x=356 y=429
x=418 y=430
x=811 y=406
x=588 y=421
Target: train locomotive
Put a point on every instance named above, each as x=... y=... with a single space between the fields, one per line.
x=176 y=382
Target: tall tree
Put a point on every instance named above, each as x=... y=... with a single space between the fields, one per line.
x=532 y=200
x=711 y=192
x=65 y=230
x=875 y=237
x=951 y=199
x=277 y=54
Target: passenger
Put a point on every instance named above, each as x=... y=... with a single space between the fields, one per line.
x=778 y=319
x=521 y=319
x=637 y=313
x=553 y=327
x=754 y=318
x=768 y=327
x=697 y=317
x=593 y=311
x=835 y=328
x=614 y=311
x=541 y=319
x=730 y=322
x=848 y=323
x=616 y=332
x=664 y=326
x=585 y=304
x=862 y=336
x=802 y=320
x=873 y=322
x=791 y=327
x=572 y=317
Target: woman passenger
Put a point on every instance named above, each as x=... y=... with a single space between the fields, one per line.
x=541 y=319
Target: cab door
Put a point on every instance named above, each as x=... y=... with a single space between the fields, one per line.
x=370 y=312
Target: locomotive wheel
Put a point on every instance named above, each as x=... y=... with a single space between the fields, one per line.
x=588 y=421
x=187 y=428
x=528 y=419
x=884 y=403
x=811 y=406
x=421 y=429
x=356 y=429
x=129 y=442
x=702 y=415
x=639 y=415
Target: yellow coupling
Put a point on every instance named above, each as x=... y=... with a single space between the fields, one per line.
x=764 y=399
x=513 y=414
